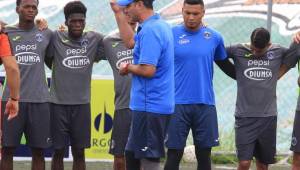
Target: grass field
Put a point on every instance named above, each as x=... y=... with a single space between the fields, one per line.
x=21 y=165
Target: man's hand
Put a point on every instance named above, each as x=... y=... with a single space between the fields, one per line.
x=115 y=7
x=296 y=37
x=123 y=69
x=41 y=23
x=2 y=26
x=61 y=28
x=12 y=109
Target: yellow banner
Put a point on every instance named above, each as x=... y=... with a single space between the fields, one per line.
x=102 y=109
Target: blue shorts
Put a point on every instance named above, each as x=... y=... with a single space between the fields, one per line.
x=201 y=118
x=147 y=134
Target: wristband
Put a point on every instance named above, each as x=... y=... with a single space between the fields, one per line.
x=14 y=99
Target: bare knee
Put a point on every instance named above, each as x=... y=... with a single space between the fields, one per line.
x=244 y=165
x=261 y=166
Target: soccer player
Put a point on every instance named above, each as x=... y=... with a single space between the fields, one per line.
x=291 y=60
x=116 y=53
x=13 y=77
x=29 y=46
x=71 y=57
x=257 y=68
x=152 y=92
x=196 y=48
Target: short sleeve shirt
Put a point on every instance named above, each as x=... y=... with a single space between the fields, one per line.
x=154 y=46
x=72 y=66
x=4 y=46
x=29 y=47
x=116 y=53
x=195 y=53
x=256 y=80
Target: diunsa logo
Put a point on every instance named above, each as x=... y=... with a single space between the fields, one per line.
x=124 y=60
x=76 y=62
x=258 y=73
x=27 y=58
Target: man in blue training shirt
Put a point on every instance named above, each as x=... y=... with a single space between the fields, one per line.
x=152 y=92
x=196 y=49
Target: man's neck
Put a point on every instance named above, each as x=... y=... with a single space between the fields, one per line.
x=26 y=25
x=147 y=13
x=71 y=36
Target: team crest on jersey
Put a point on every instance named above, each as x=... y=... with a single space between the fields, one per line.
x=270 y=55
x=84 y=42
x=39 y=37
x=207 y=35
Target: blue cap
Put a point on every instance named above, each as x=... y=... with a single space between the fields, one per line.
x=124 y=2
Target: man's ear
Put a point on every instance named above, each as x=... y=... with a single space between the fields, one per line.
x=269 y=44
x=17 y=9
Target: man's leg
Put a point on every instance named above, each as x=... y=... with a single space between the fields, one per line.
x=261 y=166
x=7 y=158
x=37 y=132
x=174 y=157
x=205 y=133
x=150 y=163
x=119 y=162
x=58 y=159
x=244 y=150
x=265 y=148
x=119 y=137
x=296 y=161
x=78 y=159
x=153 y=148
x=295 y=144
x=59 y=132
x=244 y=165
x=38 y=160
x=80 y=134
x=203 y=158
x=131 y=162
x=177 y=133
x=11 y=135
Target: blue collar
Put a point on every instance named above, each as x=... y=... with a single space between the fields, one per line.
x=153 y=17
x=192 y=32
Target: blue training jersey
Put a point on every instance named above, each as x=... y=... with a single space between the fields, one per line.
x=195 y=53
x=154 y=46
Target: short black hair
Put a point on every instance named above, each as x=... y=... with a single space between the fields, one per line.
x=194 y=2
x=260 y=38
x=74 y=7
x=147 y=3
x=19 y=2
